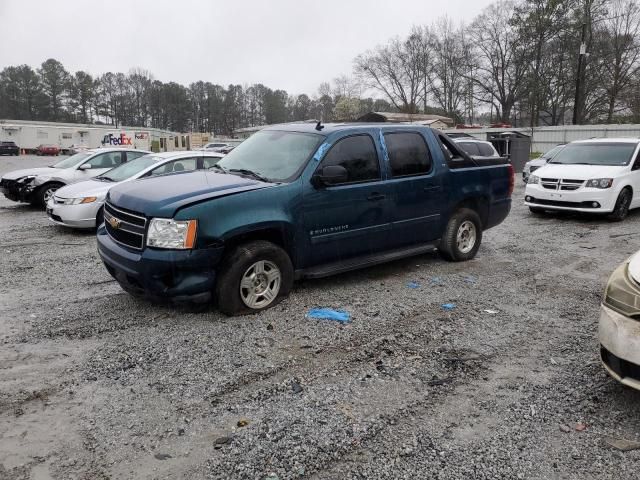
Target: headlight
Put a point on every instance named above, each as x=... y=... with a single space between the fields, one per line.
x=534 y=179
x=77 y=201
x=622 y=294
x=600 y=182
x=169 y=233
x=27 y=179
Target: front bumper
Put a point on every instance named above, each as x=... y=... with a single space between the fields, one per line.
x=17 y=191
x=75 y=216
x=162 y=275
x=620 y=346
x=579 y=200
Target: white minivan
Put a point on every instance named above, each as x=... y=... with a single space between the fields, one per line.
x=596 y=176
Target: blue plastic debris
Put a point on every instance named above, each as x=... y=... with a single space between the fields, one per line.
x=436 y=281
x=341 y=316
x=413 y=285
x=448 y=306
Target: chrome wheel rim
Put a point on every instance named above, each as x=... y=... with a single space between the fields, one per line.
x=48 y=193
x=466 y=238
x=260 y=284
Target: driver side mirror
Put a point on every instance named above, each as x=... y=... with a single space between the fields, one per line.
x=330 y=175
x=84 y=166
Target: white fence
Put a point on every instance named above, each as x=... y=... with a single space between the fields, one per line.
x=545 y=138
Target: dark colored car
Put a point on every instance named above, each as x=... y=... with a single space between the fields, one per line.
x=9 y=148
x=300 y=201
x=48 y=150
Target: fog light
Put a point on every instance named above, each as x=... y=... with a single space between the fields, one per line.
x=595 y=204
x=527 y=198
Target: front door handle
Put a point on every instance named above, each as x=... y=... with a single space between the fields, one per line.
x=374 y=197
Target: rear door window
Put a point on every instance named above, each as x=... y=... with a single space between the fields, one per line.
x=106 y=160
x=486 y=150
x=210 y=161
x=176 y=166
x=470 y=147
x=134 y=155
x=408 y=154
x=357 y=154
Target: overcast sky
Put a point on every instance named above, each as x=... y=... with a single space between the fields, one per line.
x=288 y=44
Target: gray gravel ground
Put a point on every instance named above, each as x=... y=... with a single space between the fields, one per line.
x=96 y=384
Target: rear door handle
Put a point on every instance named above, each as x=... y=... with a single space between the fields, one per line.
x=374 y=197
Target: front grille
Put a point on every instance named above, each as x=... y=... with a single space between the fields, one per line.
x=125 y=227
x=621 y=367
x=561 y=184
x=557 y=203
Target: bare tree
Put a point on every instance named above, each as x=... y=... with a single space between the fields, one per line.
x=621 y=45
x=396 y=70
x=448 y=84
x=500 y=60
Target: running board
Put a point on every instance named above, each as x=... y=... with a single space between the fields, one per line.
x=363 y=261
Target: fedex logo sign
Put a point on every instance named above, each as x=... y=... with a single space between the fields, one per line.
x=113 y=140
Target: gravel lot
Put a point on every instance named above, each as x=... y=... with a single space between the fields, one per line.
x=96 y=384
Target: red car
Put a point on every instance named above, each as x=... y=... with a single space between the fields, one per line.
x=48 y=150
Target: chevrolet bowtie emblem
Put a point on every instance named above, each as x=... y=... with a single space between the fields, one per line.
x=115 y=223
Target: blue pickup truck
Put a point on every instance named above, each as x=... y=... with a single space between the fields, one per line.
x=300 y=201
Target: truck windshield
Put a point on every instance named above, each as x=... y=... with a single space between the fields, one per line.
x=129 y=169
x=72 y=161
x=607 y=154
x=275 y=155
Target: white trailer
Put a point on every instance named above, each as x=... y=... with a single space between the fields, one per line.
x=29 y=135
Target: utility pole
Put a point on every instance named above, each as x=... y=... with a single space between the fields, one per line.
x=578 y=99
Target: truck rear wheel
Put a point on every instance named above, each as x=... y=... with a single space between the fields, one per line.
x=253 y=277
x=462 y=236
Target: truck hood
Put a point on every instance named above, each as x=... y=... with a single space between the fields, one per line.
x=579 y=172
x=31 y=172
x=162 y=196
x=88 y=188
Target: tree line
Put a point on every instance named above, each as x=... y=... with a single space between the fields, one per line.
x=51 y=93
x=519 y=60
x=516 y=62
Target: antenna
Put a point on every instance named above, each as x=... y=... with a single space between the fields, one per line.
x=319 y=125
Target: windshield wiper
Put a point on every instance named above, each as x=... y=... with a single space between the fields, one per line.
x=105 y=179
x=250 y=173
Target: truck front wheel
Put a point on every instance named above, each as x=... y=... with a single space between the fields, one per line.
x=253 y=277
x=462 y=236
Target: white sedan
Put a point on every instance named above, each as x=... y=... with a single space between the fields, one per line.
x=36 y=185
x=596 y=176
x=619 y=330
x=80 y=205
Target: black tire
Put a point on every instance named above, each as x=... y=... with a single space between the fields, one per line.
x=537 y=210
x=621 y=210
x=449 y=247
x=42 y=192
x=100 y=217
x=237 y=263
